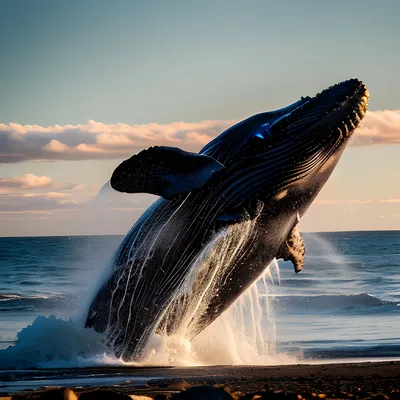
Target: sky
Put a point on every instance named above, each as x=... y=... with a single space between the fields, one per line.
x=86 y=84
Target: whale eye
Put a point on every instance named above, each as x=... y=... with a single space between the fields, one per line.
x=259 y=138
x=264 y=132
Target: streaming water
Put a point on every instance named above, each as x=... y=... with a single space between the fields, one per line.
x=249 y=321
x=243 y=334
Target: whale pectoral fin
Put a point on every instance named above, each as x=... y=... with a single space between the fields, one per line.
x=164 y=171
x=293 y=249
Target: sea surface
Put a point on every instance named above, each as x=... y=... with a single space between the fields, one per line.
x=345 y=304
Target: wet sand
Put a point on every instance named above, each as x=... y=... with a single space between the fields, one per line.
x=377 y=380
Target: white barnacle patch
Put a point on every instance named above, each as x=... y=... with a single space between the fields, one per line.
x=327 y=165
x=281 y=195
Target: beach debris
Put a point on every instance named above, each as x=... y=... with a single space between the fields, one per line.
x=104 y=394
x=203 y=392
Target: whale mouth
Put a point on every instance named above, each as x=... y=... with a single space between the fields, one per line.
x=341 y=107
x=304 y=143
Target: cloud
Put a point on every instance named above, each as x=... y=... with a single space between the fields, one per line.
x=48 y=195
x=378 y=127
x=96 y=140
x=30 y=181
x=38 y=194
x=362 y=201
x=327 y=202
x=30 y=194
x=390 y=201
x=33 y=204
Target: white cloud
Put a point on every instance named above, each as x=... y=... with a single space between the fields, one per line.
x=390 y=201
x=38 y=194
x=30 y=181
x=378 y=127
x=361 y=201
x=55 y=146
x=96 y=140
x=33 y=203
x=31 y=193
x=56 y=195
x=327 y=202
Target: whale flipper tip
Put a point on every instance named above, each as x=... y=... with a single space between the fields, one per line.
x=164 y=171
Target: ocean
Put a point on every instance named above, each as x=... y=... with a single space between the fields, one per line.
x=344 y=305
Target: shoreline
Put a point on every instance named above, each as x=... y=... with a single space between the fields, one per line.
x=329 y=380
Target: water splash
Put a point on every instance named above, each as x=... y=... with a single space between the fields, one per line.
x=51 y=342
x=210 y=270
x=318 y=246
x=243 y=334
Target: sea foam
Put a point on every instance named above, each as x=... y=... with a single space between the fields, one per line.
x=244 y=334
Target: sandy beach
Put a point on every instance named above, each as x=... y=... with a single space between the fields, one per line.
x=377 y=380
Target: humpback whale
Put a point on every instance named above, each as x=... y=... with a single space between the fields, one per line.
x=240 y=198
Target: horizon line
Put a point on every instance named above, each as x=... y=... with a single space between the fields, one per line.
x=124 y=234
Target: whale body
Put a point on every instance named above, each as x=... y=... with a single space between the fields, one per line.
x=240 y=198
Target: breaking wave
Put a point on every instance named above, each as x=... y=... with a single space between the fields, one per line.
x=51 y=342
x=333 y=303
x=33 y=302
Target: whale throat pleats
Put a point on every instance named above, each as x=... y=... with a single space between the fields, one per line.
x=164 y=171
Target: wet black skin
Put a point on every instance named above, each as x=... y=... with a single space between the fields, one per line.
x=273 y=166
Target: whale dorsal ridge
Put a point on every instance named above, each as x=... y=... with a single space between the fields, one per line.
x=164 y=171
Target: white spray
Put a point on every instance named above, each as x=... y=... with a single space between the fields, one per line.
x=243 y=334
